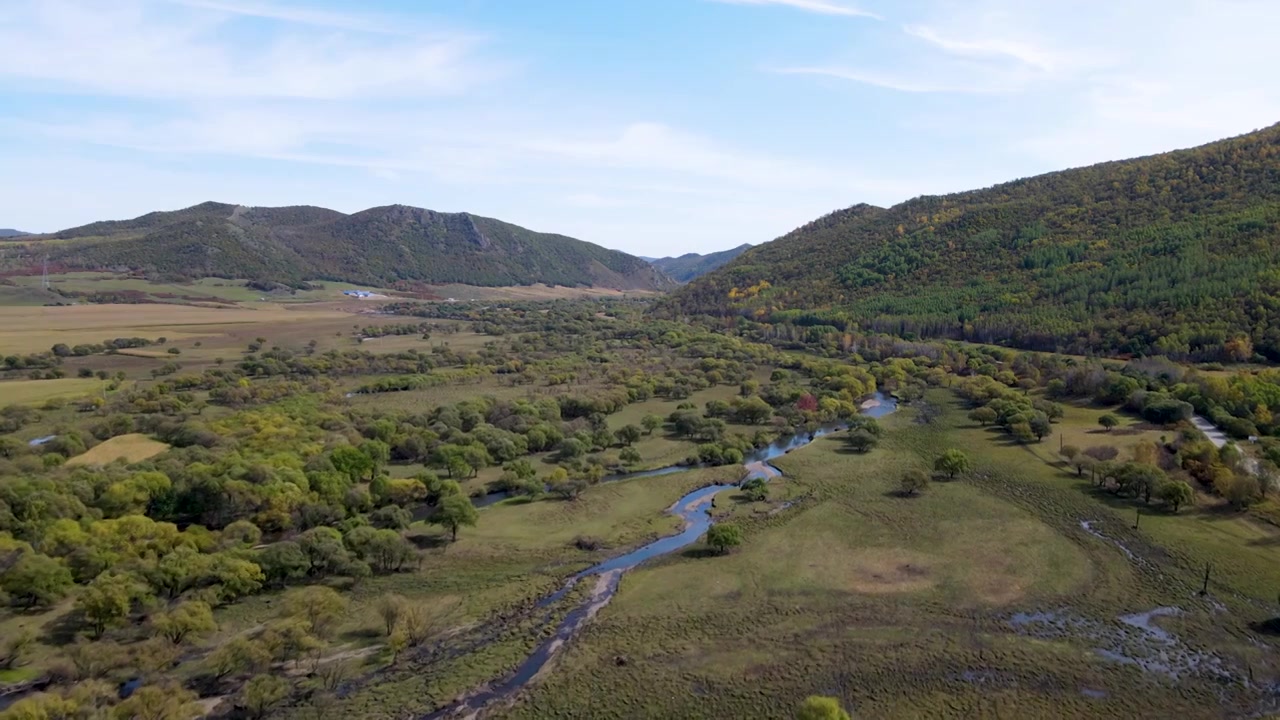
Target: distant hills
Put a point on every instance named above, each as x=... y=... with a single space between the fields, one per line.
x=692 y=265
x=380 y=246
x=11 y=233
x=1175 y=254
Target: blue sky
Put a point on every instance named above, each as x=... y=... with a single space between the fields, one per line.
x=653 y=126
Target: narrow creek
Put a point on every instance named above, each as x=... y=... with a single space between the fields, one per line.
x=756 y=462
x=694 y=509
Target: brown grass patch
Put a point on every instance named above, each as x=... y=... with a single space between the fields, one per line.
x=996 y=580
x=135 y=352
x=880 y=571
x=132 y=448
x=36 y=329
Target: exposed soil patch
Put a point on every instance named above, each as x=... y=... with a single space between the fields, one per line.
x=891 y=570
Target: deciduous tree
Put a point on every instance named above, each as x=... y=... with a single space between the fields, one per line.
x=651 y=422
x=629 y=434
x=238 y=656
x=262 y=694
x=1175 y=494
x=189 y=619
x=36 y=579
x=1040 y=425
x=351 y=461
x=983 y=416
x=817 y=707
x=321 y=607
x=952 y=462
x=389 y=608
x=1070 y=452
x=861 y=441
x=1022 y=432
x=106 y=601
x=913 y=481
x=723 y=536
x=154 y=702
x=756 y=489
x=455 y=511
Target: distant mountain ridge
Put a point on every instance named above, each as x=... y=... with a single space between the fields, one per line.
x=379 y=246
x=1175 y=254
x=11 y=233
x=692 y=265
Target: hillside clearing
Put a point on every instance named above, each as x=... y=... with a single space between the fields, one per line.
x=131 y=448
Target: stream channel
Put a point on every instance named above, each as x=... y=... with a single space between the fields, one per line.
x=694 y=509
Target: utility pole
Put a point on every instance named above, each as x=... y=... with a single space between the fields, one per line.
x=44 y=277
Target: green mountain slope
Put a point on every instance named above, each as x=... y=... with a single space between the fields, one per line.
x=379 y=246
x=1175 y=254
x=692 y=265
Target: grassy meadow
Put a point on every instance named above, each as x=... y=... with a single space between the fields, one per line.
x=30 y=392
x=486 y=582
x=993 y=594
x=901 y=606
x=207 y=291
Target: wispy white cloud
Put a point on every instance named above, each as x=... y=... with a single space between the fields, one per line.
x=822 y=7
x=972 y=57
x=1021 y=51
x=899 y=84
x=653 y=156
x=133 y=105
x=655 y=146
x=301 y=15
x=129 y=49
x=1163 y=77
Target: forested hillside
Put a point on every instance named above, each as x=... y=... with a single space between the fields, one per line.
x=1174 y=254
x=692 y=265
x=379 y=246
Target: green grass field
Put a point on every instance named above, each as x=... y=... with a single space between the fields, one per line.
x=203 y=289
x=900 y=606
x=660 y=448
x=32 y=392
x=26 y=290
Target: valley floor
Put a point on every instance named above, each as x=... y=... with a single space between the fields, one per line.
x=1014 y=590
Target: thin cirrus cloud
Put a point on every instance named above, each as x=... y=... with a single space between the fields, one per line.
x=301 y=16
x=899 y=84
x=1021 y=52
x=650 y=146
x=928 y=61
x=147 y=104
x=821 y=7
x=132 y=49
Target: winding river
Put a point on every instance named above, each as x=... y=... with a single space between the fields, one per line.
x=694 y=508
